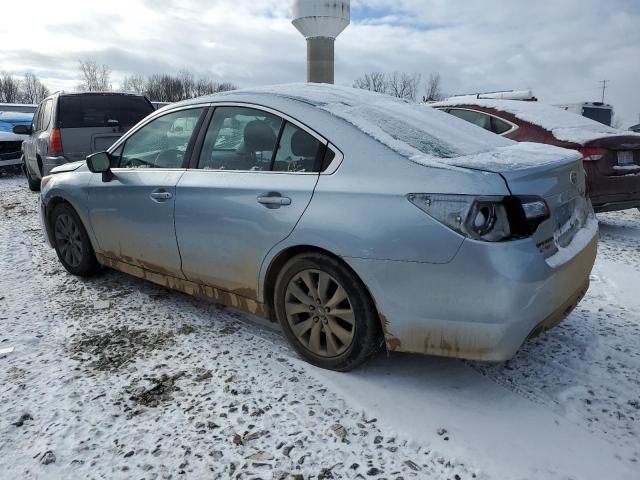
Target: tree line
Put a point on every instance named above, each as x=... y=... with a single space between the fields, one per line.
x=403 y=85
x=29 y=89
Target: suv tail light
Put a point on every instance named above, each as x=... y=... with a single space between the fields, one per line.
x=55 y=142
x=592 y=154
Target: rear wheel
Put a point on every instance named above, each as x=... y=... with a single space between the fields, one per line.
x=34 y=185
x=326 y=312
x=72 y=243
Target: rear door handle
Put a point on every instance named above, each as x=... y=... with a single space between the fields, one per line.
x=273 y=200
x=160 y=195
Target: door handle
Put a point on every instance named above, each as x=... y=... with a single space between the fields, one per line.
x=160 y=195
x=273 y=200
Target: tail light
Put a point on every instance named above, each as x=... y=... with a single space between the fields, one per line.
x=592 y=154
x=55 y=142
x=490 y=219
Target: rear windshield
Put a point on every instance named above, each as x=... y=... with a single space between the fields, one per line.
x=602 y=115
x=84 y=111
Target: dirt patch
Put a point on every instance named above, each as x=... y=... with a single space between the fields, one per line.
x=118 y=347
x=160 y=390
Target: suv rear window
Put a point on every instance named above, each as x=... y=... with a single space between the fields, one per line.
x=84 y=111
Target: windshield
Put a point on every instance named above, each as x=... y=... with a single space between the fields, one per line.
x=96 y=110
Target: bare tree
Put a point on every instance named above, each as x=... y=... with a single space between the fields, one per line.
x=403 y=85
x=32 y=90
x=374 y=81
x=9 y=89
x=173 y=88
x=397 y=84
x=433 y=92
x=134 y=83
x=94 y=77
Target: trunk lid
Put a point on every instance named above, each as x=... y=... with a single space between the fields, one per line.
x=555 y=174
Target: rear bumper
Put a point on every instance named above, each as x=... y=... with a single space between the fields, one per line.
x=482 y=305
x=612 y=203
x=50 y=163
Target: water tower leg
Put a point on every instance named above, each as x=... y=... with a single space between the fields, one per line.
x=320 y=58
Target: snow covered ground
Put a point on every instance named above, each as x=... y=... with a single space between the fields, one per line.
x=114 y=377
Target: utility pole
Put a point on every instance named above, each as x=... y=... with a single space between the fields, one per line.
x=604 y=87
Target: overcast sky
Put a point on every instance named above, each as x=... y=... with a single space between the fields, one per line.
x=561 y=49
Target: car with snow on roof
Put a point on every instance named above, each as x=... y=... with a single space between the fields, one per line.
x=611 y=157
x=354 y=219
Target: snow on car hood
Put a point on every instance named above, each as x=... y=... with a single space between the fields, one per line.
x=565 y=126
x=69 y=167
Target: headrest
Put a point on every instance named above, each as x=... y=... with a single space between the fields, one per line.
x=259 y=136
x=303 y=145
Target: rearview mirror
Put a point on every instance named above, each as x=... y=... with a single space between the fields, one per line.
x=22 y=130
x=99 y=162
x=113 y=123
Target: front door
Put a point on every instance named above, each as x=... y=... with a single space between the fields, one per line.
x=132 y=214
x=246 y=195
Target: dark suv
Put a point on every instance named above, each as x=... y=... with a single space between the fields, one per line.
x=69 y=126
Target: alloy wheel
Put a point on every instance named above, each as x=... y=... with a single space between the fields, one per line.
x=68 y=239
x=320 y=313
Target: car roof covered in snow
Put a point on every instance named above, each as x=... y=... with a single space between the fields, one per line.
x=420 y=133
x=565 y=126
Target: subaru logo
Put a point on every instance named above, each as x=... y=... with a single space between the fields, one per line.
x=573 y=176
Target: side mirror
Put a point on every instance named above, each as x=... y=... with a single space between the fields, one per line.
x=22 y=130
x=100 y=163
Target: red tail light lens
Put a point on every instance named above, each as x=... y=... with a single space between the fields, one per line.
x=592 y=154
x=55 y=142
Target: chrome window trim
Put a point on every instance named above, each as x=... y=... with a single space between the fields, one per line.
x=513 y=128
x=331 y=168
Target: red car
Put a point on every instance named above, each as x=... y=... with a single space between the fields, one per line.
x=611 y=157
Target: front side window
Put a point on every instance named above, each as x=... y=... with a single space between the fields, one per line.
x=162 y=143
x=499 y=126
x=298 y=151
x=240 y=138
x=477 y=118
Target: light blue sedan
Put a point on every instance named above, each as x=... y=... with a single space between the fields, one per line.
x=356 y=220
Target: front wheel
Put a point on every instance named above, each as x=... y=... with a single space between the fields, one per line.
x=72 y=243
x=326 y=312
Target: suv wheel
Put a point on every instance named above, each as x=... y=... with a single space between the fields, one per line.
x=326 y=312
x=34 y=185
x=72 y=243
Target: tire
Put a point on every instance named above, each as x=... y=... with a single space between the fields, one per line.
x=72 y=243
x=340 y=342
x=34 y=185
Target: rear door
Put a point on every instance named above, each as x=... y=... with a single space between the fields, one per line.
x=132 y=214
x=254 y=177
x=92 y=122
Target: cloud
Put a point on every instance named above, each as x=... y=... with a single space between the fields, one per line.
x=560 y=49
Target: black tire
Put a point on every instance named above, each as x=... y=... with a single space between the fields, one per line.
x=365 y=329
x=34 y=185
x=71 y=242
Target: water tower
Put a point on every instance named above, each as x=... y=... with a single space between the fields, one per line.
x=321 y=21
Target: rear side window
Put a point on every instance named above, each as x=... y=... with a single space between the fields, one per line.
x=240 y=138
x=46 y=114
x=499 y=126
x=298 y=151
x=90 y=111
x=477 y=118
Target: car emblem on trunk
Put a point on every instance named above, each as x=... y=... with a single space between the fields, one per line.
x=573 y=176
